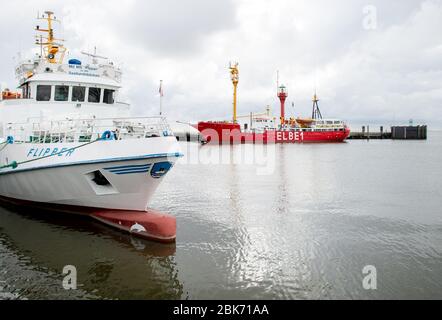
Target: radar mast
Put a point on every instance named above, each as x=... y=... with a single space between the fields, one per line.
x=51 y=48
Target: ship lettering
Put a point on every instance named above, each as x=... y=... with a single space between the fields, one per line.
x=44 y=152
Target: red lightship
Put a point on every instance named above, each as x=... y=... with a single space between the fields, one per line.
x=265 y=130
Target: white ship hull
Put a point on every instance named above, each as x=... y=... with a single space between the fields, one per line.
x=68 y=145
x=132 y=169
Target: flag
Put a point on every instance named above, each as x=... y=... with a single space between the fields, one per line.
x=161 y=89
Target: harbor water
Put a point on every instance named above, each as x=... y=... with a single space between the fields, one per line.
x=304 y=229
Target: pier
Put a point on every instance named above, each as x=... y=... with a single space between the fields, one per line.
x=395 y=133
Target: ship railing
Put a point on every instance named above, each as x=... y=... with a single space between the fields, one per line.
x=89 y=129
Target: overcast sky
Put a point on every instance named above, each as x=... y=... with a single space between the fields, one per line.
x=377 y=61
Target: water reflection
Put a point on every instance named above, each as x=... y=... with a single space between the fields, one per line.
x=110 y=264
x=282 y=202
x=306 y=231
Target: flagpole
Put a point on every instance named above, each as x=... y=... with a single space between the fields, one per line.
x=161 y=97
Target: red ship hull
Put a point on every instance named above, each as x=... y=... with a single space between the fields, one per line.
x=151 y=224
x=225 y=133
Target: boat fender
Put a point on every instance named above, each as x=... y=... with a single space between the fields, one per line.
x=10 y=139
x=14 y=165
x=165 y=133
x=108 y=135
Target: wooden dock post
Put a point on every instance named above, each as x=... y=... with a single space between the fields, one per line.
x=382 y=132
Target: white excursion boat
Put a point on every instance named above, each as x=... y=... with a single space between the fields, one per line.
x=67 y=145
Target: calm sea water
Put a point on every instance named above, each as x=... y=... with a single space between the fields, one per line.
x=304 y=231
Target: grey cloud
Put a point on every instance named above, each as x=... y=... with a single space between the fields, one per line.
x=392 y=72
x=171 y=28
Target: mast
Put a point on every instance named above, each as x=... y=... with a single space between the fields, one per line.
x=94 y=56
x=277 y=81
x=234 y=75
x=316 y=113
x=161 y=97
x=52 y=50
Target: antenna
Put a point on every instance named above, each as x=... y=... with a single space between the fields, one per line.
x=94 y=56
x=316 y=112
x=277 y=80
x=41 y=46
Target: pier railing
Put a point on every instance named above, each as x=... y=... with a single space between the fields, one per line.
x=87 y=129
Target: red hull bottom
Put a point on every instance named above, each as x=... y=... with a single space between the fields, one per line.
x=150 y=224
x=225 y=133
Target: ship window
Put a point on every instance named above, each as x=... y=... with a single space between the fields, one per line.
x=61 y=93
x=108 y=97
x=94 y=95
x=26 y=91
x=78 y=94
x=43 y=93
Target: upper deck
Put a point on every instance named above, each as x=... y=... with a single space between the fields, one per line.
x=49 y=67
x=41 y=70
x=52 y=86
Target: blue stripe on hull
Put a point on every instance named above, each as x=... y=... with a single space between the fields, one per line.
x=130 y=172
x=139 y=166
x=62 y=165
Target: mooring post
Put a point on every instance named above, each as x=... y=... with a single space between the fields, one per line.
x=368 y=132
x=382 y=132
x=363 y=132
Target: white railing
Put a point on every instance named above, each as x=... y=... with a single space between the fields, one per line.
x=86 y=130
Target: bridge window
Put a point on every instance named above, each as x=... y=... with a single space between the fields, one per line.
x=43 y=93
x=108 y=97
x=61 y=93
x=78 y=94
x=94 y=95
